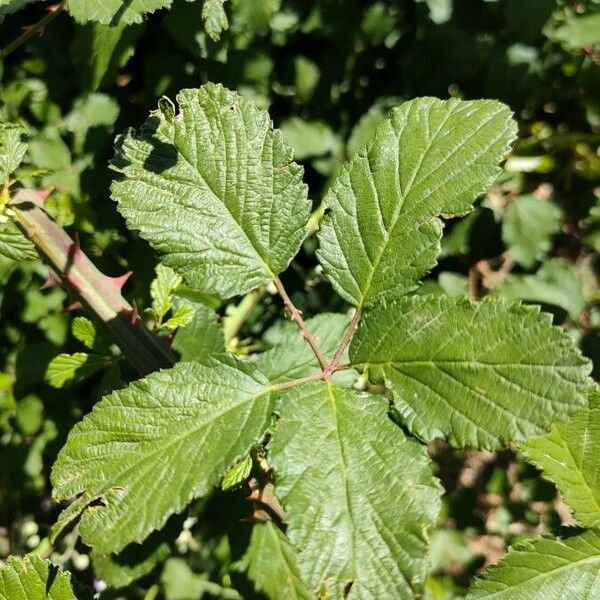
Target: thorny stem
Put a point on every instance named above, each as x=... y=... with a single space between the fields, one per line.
x=36 y=28
x=99 y=294
x=296 y=316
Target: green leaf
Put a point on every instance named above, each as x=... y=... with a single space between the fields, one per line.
x=12 y=149
x=14 y=245
x=31 y=578
x=271 y=564
x=181 y=317
x=66 y=369
x=309 y=138
x=557 y=283
x=359 y=495
x=237 y=474
x=542 y=569
x=528 y=227
x=8 y=7
x=85 y=331
x=136 y=560
x=99 y=51
x=161 y=437
x=215 y=18
x=578 y=32
x=569 y=456
x=480 y=375
x=114 y=12
x=201 y=336
x=163 y=288
x=429 y=158
x=215 y=190
x=292 y=358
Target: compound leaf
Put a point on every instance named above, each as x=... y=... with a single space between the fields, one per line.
x=31 y=578
x=160 y=438
x=480 y=375
x=214 y=189
x=114 y=12
x=429 y=158
x=359 y=495
x=570 y=457
x=543 y=569
x=272 y=564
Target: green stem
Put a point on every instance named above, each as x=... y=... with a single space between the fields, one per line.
x=233 y=322
x=99 y=294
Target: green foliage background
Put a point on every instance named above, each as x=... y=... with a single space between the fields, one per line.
x=327 y=71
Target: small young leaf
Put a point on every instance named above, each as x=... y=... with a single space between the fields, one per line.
x=162 y=289
x=85 y=331
x=114 y=12
x=215 y=18
x=12 y=149
x=272 y=564
x=159 y=439
x=358 y=494
x=66 y=369
x=528 y=227
x=570 y=457
x=182 y=317
x=215 y=190
x=545 y=569
x=237 y=474
x=429 y=158
x=31 y=578
x=480 y=375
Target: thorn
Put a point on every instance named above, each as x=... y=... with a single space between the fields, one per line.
x=75 y=305
x=42 y=195
x=120 y=281
x=134 y=315
x=255 y=495
x=75 y=248
x=167 y=340
x=53 y=7
x=259 y=516
x=53 y=280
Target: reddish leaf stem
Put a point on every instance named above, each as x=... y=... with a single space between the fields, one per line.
x=334 y=365
x=296 y=316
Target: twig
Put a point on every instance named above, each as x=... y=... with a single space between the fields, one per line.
x=37 y=28
x=296 y=316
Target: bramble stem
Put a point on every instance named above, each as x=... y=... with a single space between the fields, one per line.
x=99 y=294
x=32 y=30
x=296 y=316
